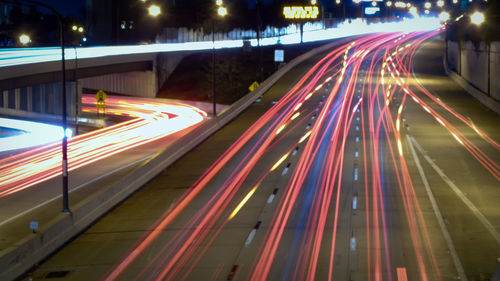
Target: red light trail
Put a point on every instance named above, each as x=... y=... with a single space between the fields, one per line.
x=151 y=120
x=362 y=81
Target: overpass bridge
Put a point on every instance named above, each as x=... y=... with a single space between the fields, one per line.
x=30 y=77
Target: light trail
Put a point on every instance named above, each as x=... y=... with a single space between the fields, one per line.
x=31 y=134
x=154 y=121
x=364 y=100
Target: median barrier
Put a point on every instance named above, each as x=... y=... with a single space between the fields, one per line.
x=496 y=273
x=19 y=258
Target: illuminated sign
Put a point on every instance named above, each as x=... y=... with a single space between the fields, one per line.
x=301 y=12
x=371 y=10
x=400 y=4
x=279 y=55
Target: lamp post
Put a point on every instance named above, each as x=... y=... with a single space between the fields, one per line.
x=221 y=12
x=259 y=26
x=65 y=204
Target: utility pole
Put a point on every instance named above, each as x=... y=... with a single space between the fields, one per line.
x=259 y=27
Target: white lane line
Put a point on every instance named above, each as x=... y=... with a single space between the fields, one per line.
x=250 y=237
x=356 y=174
x=284 y=171
x=270 y=199
x=353 y=243
x=356 y=154
x=439 y=216
x=460 y=194
x=357 y=139
x=354 y=202
x=72 y=190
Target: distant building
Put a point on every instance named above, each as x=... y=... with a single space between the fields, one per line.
x=5 y=10
x=100 y=18
x=120 y=21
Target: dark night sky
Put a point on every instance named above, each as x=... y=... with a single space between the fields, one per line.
x=66 y=7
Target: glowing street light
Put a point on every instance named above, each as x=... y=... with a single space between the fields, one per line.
x=24 y=39
x=455 y=1
x=388 y=3
x=74 y=27
x=80 y=29
x=444 y=16
x=154 y=10
x=222 y=11
x=440 y=3
x=374 y=4
x=314 y=2
x=427 y=5
x=219 y=3
x=337 y=1
x=426 y=12
x=413 y=11
x=477 y=18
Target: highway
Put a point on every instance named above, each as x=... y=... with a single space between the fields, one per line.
x=351 y=167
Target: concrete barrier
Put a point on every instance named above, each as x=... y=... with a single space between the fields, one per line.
x=30 y=250
x=496 y=273
x=476 y=93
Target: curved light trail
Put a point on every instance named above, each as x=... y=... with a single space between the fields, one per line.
x=151 y=120
x=32 y=134
x=363 y=88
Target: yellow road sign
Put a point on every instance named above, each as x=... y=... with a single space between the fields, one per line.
x=101 y=96
x=254 y=86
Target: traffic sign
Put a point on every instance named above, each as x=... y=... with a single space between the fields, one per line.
x=279 y=55
x=254 y=86
x=101 y=96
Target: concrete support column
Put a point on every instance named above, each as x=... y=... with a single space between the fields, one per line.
x=5 y=98
x=49 y=95
x=17 y=97
x=29 y=99
x=41 y=98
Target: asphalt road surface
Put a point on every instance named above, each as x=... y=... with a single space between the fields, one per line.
x=364 y=163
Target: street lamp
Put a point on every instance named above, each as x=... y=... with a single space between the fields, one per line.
x=154 y=10
x=444 y=16
x=440 y=3
x=65 y=196
x=427 y=5
x=221 y=12
x=24 y=39
x=413 y=11
x=477 y=18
